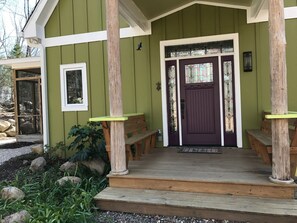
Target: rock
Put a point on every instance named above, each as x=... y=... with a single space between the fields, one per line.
x=4 y=125
x=38 y=149
x=97 y=165
x=3 y=135
x=38 y=164
x=68 y=167
x=74 y=180
x=11 y=132
x=12 y=121
x=19 y=217
x=25 y=162
x=27 y=128
x=12 y=193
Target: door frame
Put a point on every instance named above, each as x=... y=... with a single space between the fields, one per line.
x=204 y=39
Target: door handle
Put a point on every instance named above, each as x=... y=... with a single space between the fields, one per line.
x=182 y=105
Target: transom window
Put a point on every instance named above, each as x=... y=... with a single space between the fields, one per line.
x=74 y=95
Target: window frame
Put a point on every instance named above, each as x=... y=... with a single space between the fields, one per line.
x=63 y=81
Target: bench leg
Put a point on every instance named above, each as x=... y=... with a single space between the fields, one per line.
x=129 y=152
x=293 y=164
x=264 y=153
x=153 y=141
x=138 y=150
x=147 y=146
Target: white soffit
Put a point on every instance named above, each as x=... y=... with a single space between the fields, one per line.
x=22 y=63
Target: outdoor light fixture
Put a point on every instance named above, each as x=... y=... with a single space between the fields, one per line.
x=247 y=61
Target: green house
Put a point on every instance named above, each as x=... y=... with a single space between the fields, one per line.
x=164 y=47
x=198 y=70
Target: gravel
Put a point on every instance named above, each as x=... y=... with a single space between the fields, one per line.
x=118 y=217
x=7 y=154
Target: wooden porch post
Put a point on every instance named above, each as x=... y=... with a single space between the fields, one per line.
x=279 y=102
x=117 y=144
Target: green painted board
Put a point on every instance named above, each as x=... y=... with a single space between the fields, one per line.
x=52 y=27
x=94 y=9
x=66 y=17
x=286 y=116
x=189 y=25
x=80 y=16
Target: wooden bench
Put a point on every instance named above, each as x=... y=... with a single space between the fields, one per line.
x=137 y=134
x=261 y=141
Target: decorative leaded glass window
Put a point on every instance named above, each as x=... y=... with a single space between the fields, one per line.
x=171 y=84
x=199 y=49
x=199 y=73
x=228 y=97
x=74 y=95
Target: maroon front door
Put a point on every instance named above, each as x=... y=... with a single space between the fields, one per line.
x=200 y=103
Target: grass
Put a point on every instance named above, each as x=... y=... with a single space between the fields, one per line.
x=47 y=202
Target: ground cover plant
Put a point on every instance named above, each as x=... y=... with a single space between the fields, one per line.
x=47 y=202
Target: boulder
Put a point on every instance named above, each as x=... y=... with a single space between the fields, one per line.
x=68 y=167
x=4 y=125
x=12 y=193
x=12 y=121
x=38 y=149
x=19 y=217
x=97 y=165
x=74 y=180
x=38 y=164
x=3 y=135
x=11 y=132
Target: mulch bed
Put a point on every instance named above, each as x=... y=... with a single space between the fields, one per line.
x=9 y=169
x=16 y=145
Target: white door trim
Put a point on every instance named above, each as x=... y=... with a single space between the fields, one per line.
x=163 y=44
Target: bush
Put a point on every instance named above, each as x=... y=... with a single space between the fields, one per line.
x=88 y=142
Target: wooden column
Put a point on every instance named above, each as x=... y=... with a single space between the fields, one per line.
x=279 y=102
x=117 y=144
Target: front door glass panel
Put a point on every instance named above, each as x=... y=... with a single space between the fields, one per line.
x=199 y=73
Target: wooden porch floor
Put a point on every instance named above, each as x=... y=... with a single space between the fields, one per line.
x=233 y=185
x=235 y=171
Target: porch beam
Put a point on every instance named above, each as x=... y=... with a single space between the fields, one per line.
x=118 y=154
x=279 y=101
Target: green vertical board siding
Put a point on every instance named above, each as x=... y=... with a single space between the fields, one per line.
x=97 y=79
x=80 y=16
x=56 y=120
x=128 y=78
x=291 y=32
x=141 y=69
x=142 y=77
x=66 y=21
x=77 y=16
x=173 y=26
x=208 y=21
x=249 y=103
x=159 y=35
x=226 y=20
x=94 y=15
x=189 y=25
x=82 y=56
x=290 y=3
x=52 y=27
x=70 y=117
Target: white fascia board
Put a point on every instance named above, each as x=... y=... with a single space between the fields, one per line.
x=92 y=37
x=22 y=63
x=290 y=13
x=218 y=4
x=133 y=15
x=34 y=27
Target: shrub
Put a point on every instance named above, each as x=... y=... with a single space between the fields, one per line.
x=88 y=142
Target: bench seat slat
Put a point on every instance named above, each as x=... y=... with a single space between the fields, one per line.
x=139 y=137
x=264 y=138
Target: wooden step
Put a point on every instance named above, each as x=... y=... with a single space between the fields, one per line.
x=171 y=203
x=264 y=190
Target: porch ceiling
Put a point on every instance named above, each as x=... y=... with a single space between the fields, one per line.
x=154 y=8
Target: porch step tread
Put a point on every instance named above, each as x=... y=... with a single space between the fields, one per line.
x=196 y=204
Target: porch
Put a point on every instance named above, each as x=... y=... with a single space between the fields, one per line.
x=233 y=185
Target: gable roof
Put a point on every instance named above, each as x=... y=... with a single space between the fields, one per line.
x=140 y=13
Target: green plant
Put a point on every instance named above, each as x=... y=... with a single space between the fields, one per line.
x=88 y=142
x=59 y=150
x=46 y=201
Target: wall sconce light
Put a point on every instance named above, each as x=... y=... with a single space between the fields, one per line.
x=247 y=61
